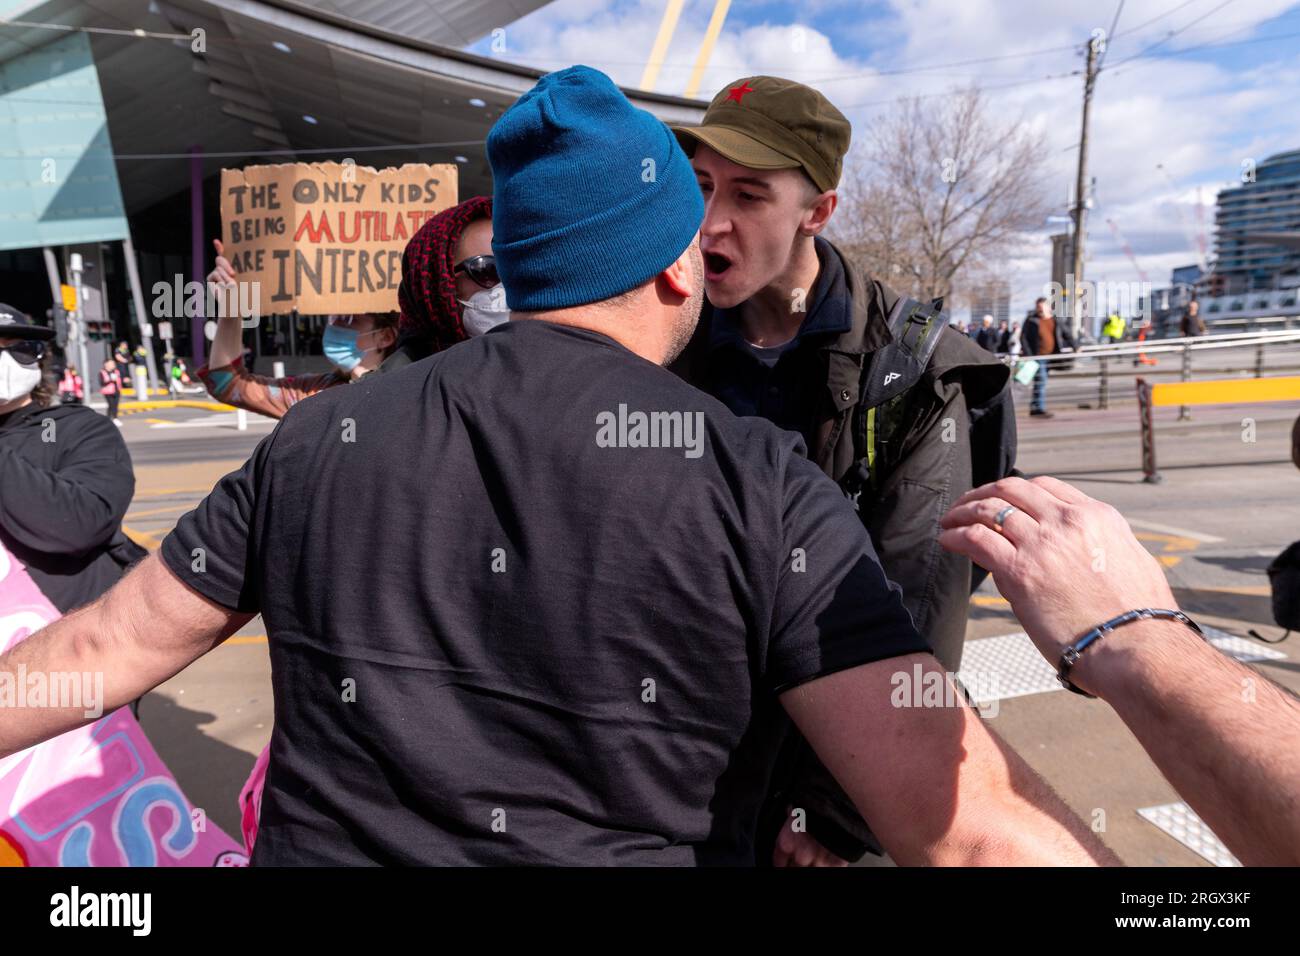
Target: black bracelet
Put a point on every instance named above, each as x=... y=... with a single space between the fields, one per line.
x=1072 y=653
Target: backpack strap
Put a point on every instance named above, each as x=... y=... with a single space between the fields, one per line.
x=914 y=331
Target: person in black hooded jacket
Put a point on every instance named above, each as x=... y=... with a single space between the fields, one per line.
x=65 y=477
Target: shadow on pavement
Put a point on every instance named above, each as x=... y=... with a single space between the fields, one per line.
x=210 y=772
x=1245 y=564
x=1255 y=608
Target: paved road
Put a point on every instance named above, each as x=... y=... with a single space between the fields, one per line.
x=1225 y=508
x=1227 y=505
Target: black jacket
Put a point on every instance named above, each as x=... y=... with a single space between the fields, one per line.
x=65 y=482
x=958 y=431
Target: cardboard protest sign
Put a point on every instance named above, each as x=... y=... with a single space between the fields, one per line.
x=96 y=796
x=327 y=237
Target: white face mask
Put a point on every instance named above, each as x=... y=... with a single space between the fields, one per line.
x=16 y=380
x=485 y=309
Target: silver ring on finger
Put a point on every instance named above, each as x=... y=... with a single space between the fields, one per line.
x=1001 y=516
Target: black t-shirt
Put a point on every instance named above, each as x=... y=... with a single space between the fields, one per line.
x=503 y=630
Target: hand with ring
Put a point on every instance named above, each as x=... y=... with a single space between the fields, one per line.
x=1065 y=561
x=1001 y=516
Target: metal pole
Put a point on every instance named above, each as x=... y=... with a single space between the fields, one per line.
x=706 y=48
x=1080 y=192
x=168 y=364
x=52 y=270
x=1185 y=411
x=145 y=320
x=1103 y=396
x=1150 y=475
x=74 y=267
x=1259 y=360
x=197 y=257
x=659 y=52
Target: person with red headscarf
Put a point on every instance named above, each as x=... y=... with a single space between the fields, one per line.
x=449 y=292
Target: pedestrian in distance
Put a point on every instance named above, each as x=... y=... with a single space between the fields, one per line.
x=110 y=387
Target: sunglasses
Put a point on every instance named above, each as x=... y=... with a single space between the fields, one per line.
x=481 y=269
x=25 y=352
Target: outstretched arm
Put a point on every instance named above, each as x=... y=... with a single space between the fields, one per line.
x=148 y=628
x=934 y=784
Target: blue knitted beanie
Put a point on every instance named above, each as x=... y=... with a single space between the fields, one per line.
x=591 y=196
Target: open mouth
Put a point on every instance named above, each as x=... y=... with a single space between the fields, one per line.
x=715 y=265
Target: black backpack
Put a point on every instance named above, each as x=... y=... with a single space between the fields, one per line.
x=914 y=333
x=1284 y=579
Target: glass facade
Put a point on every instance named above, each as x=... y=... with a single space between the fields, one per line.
x=1269 y=203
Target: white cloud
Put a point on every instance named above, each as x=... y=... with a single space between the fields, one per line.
x=1196 y=118
x=618 y=40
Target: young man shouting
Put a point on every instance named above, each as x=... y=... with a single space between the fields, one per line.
x=905 y=417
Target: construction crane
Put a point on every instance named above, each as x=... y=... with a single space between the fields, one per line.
x=1194 y=237
x=1128 y=251
x=1143 y=358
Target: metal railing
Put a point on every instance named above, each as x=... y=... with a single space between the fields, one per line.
x=1086 y=377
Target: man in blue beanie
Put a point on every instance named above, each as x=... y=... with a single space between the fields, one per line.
x=602 y=591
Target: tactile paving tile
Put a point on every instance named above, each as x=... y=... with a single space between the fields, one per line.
x=1182 y=823
x=998 y=668
x=1241 y=648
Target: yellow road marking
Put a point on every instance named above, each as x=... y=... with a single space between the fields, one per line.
x=143 y=538
x=144 y=495
x=247 y=639
x=152 y=405
x=158 y=511
x=1171 y=542
x=989 y=600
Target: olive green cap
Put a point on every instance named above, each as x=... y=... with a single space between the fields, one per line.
x=765 y=122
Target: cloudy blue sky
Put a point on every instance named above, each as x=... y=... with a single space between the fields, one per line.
x=1222 y=89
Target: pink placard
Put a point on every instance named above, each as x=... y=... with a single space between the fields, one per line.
x=98 y=795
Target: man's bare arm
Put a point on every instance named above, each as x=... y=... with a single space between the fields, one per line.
x=1226 y=737
x=148 y=628
x=934 y=784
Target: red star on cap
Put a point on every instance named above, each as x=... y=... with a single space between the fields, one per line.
x=736 y=92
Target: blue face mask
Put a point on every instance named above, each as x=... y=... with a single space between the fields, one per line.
x=339 y=344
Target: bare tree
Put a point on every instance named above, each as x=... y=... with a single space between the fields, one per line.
x=940 y=194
